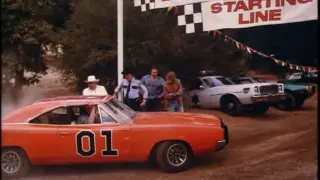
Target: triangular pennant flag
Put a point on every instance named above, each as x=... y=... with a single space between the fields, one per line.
x=176 y=11
x=276 y=61
x=214 y=33
x=305 y=69
x=292 y=66
x=238 y=45
x=298 y=68
x=169 y=9
x=249 y=50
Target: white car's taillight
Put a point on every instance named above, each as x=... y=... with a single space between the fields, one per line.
x=256 y=90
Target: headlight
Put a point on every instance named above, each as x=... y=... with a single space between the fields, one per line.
x=280 y=88
x=308 y=88
x=256 y=91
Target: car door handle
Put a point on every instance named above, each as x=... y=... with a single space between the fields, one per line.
x=64 y=133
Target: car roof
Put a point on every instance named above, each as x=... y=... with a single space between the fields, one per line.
x=211 y=76
x=243 y=77
x=25 y=113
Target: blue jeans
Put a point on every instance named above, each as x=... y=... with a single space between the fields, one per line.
x=175 y=107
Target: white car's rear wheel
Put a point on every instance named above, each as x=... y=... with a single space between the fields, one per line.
x=14 y=163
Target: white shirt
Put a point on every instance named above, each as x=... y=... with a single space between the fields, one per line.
x=99 y=91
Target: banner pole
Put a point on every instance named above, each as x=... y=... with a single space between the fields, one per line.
x=120 y=41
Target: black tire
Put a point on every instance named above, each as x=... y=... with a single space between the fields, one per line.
x=228 y=101
x=299 y=103
x=163 y=157
x=18 y=154
x=260 y=108
x=288 y=104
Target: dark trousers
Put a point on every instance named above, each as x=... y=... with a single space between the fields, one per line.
x=154 y=105
x=133 y=104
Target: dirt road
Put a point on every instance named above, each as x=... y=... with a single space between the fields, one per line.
x=276 y=146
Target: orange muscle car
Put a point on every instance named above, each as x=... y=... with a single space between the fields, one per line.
x=100 y=129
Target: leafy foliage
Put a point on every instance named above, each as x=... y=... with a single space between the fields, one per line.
x=26 y=25
x=90 y=39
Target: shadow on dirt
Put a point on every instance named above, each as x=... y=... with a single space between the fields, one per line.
x=65 y=170
x=87 y=169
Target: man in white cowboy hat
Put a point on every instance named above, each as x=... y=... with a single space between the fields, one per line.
x=93 y=88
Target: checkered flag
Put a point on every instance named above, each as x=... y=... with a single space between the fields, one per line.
x=145 y=4
x=190 y=18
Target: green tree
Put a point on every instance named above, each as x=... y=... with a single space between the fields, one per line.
x=26 y=25
x=151 y=38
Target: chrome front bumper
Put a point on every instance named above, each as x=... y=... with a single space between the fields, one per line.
x=222 y=143
x=268 y=98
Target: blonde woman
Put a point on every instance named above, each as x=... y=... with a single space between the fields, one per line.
x=173 y=93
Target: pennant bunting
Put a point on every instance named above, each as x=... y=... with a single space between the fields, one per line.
x=238 y=45
x=276 y=61
x=292 y=66
x=190 y=20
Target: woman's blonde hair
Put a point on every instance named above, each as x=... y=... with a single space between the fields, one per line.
x=171 y=77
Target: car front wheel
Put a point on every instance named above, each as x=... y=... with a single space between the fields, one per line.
x=261 y=108
x=173 y=156
x=231 y=105
x=288 y=104
x=14 y=163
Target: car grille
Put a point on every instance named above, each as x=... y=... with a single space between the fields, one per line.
x=271 y=89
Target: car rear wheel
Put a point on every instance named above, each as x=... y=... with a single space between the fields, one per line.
x=261 y=108
x=231 y=105
x=14 y=163
x=173 y=156
x=288 y=104
x=299 y=103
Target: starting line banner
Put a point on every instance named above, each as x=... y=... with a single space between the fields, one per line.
x=222 y=14
x=206 y=15
x=171 y=3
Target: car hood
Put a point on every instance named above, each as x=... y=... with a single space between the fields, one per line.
x=175 y=118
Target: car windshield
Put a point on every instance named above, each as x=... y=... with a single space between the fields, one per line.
x=217 y=81
x=257 y=80
x=120 y=110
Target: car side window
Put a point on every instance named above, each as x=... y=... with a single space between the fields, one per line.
x=195 y=84
x=209 y=82
x=57 y=116
x=105 y=117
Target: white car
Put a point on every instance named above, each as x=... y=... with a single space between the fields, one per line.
x=221 y=92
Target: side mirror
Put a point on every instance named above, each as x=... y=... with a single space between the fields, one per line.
x=202 y=87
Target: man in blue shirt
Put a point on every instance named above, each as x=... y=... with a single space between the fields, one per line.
x=154 y=84
x=131 y=89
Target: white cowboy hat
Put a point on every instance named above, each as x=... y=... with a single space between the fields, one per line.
x=91 y=79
